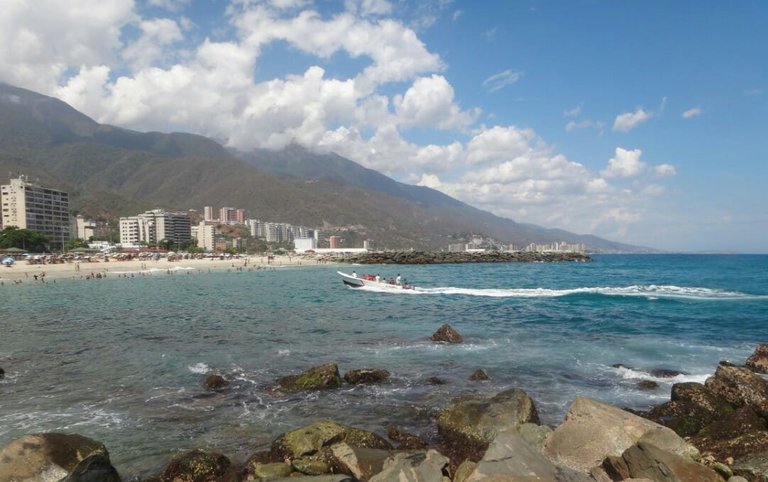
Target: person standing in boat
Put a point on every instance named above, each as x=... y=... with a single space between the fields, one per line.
x=354 y=274
x=397 y=281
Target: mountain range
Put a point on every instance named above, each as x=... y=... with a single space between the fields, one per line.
x=110 y=172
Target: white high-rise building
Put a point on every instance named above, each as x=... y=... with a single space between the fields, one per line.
x=37 y=208
x=154 y=226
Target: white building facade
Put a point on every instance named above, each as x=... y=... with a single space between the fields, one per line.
x=37 y=208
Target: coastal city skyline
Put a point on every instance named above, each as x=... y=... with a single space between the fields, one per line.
x=639 y=123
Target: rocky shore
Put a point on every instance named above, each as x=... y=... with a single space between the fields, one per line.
x=446 y=257
x=711 y=432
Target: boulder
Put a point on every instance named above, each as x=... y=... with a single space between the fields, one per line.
x=752 y=468
x=428 y=466
x=647 y=385
x=478 y=375
x=308 y=449
x=436 y=381
x=361 y=463
x=594 y=430
x=199 y=466
x=666 y=372
x=46 y=456
x=215 y=382
x=468 y=425
x=366 y=376
x=510 y=458
x=2 y=372
x=736 y=434
x=758 y=361
x=692 y=406
x=740 y=386
x=317 y=378
x=446 y=334
x=645 y=460
x=405 y=441
x=254 y=470
x=94 y=468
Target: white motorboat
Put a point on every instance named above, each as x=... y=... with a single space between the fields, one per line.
x=355 y=281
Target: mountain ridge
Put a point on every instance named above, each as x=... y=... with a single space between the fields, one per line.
x=110 y=172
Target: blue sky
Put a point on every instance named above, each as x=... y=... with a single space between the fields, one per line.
x=640 y=121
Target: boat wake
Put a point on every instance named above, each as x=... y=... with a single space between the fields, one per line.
x=645 y=291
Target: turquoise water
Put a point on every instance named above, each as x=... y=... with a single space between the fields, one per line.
x=122 y=360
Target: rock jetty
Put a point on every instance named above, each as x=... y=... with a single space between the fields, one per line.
x=451 y=257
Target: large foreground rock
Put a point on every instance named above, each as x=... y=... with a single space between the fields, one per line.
x=317 y=378
x=691 y=408
x=199 y=466
x=645 y=460
x=309 y=449
x=428 y=466
x=510 y=458
x=740 y=387
x=46 y=457
x=758 y=361
x=468 y=425
x=594 y=430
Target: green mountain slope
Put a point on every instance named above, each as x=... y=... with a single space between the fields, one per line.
x=111 y=172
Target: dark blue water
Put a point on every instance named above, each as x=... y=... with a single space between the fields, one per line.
x=122 y=360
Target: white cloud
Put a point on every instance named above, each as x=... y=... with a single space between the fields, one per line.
x=625 y=163
x=366 y=8
x=575 y=112
x=629 y=120
x=170 y=5
x=502 y=79
x=583 y=124
x=665 y=170
x=429 y=102
x=691 y=113
x=41 y=40
x=151 y=46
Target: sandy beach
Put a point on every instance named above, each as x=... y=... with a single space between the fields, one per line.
x=23 y=271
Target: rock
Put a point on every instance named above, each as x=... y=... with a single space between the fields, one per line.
x=758 y=361
x=315 y=478
x=736 y=434
x=753 y=467
x=2 y=372
x=405 y=440
x=740 y=386
x=479 y=375
x=366 y=376
x=215 y=382
x=46 y=456
x=692 y=406
x=446 y=334
x=317 y=378
x=464 y=470
x=436 y=381
x=646 y=460
x=361 y=463
x=737 y=478
x=199 y=466
x=511 y=458
x=254 y=470
x=309 y=448
x=468 y=425
x=594 y=430
x=94 y=468
x=647 y=385
x=666 y=373
x=428 y=466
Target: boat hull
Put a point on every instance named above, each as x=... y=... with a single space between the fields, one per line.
x=355 y=282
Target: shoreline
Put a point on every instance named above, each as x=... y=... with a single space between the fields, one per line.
x=23 y=271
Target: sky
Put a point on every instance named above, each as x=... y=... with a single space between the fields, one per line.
x=644 y=122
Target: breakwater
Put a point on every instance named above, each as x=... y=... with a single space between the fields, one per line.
x=445 y=257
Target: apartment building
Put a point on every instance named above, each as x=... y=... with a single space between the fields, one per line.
x=29 y=206
x=157 y=225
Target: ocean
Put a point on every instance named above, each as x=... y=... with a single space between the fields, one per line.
x=122 y=360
